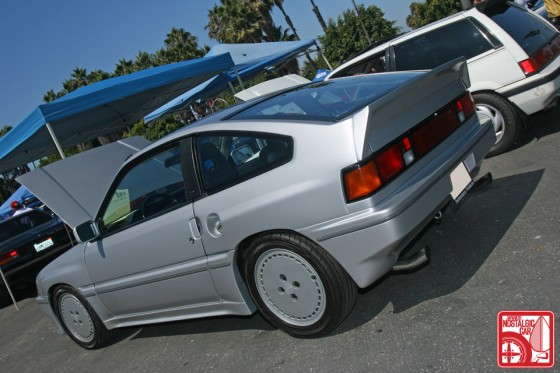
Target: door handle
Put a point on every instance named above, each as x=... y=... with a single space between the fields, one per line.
x=194 y=225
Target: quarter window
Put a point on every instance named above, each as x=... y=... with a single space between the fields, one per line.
x=441 y=45
x=371 y=65
x=227 y=159
x=151 y=187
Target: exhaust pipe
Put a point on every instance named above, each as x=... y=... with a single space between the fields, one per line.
x=416 y=261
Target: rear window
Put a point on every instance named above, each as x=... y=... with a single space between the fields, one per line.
x=21 y=223
x=529 y=31
x=441 y=45
x=327 y=101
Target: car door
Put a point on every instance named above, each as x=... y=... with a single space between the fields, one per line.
x=236 y=172
x=150 y=257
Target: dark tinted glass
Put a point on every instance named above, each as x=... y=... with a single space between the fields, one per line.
x=327 y=101
x=529 y=31
x=441 y=45
x=229 y=158
x=371 y=65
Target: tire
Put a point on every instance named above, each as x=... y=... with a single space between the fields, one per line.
x=505 y=118
x=296 y=285
x=79 y=320
x=516 y=347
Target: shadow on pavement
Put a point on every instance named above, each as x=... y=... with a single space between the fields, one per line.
x=541 y=125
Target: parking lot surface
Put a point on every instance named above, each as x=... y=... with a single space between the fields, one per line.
x=499 y=251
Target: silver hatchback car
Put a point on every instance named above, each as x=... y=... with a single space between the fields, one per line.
x=285 y=204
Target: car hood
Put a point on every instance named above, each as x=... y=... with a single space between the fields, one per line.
x=74 y=187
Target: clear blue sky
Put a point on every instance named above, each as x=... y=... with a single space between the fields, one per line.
x=43 y=41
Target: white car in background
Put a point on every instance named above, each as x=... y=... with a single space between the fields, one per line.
x=512 y=56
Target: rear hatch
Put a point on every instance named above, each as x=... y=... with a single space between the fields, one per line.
x=405 y=125
x=401 y=110
x=536 y=37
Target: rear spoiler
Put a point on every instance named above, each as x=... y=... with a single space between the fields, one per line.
x=422 y=97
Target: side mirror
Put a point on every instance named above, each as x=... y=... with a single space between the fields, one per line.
x=87 y=231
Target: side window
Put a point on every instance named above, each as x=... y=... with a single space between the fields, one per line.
x=229 y=158
x=151 y=187
x=371 y=65
x=441 y=45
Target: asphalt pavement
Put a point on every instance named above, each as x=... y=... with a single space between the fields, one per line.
x=499 y=251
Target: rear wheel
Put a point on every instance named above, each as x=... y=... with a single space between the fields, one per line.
x=79 y=320
x=297 y=286
x=505 y=119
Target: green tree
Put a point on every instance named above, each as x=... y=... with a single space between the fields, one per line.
x=234 y=21
x=155 y=130
x=124 y=67
x=180 y=45
x=430 y=11
x=344 y=37
x=4 y=130
x=97 y=76
x=244 y=21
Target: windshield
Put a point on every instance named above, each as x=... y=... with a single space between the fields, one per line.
x=529 y=31
x=18 y=224
x=328 y=101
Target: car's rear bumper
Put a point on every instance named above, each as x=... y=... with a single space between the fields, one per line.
x=536 y=93
x=367 y=243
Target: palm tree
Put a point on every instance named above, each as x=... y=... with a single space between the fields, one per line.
x=280 y=5
x=78 y=79
x=182 y=45
x=51 y=95
x=264 y=9
x=124 y=67
x=97 y=75
x=143 y=61
x=319 y=16
x=236 y=21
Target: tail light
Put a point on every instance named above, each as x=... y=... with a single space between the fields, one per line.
x=541 y=58
x=366 y=177
x=8 y=257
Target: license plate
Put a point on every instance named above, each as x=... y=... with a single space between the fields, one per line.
x=461 y=182
x=43 y=245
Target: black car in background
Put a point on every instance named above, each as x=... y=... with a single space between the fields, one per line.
x=28 y=242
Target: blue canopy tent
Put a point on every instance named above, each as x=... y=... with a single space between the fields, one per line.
x=250 y=60
x=19 y=195
x=102 y=108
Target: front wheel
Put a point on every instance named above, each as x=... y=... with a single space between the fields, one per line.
x=297 y=286
x=505 y=119
x=79 y=320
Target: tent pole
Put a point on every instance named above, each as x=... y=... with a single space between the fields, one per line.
x=9 y=290
x=238 y=78
x=231 y=87
x=322 y=55
x=56 y=143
